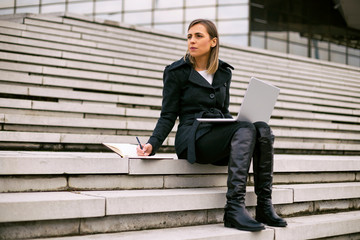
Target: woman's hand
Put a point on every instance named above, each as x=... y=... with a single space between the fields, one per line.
x=146 y=151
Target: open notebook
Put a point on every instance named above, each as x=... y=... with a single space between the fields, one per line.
x=127 y=150
x=257 y=105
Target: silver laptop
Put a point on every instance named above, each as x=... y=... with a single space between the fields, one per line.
x=257 y=105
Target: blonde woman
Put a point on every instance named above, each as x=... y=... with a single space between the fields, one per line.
x=196 y=86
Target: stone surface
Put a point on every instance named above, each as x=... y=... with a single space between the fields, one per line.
x=191 y=181
x=324 y=191
x=315 y=163
x=60 y=163
x=16 y=207
x=137 y=222
x=36 y=229
x=115 y=182
x=295 y=209
x=165 y=200
x=335 y=205
x=25 y=184
x=138 y=167
x=326 y=225
x=310 y=177
x=148 y=201
x=204 y=232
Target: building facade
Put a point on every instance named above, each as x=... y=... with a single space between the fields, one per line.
x=314 y=29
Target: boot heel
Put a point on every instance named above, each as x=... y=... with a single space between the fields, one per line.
x=228 y=224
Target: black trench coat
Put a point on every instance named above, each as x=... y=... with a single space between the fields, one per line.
x=188 y=95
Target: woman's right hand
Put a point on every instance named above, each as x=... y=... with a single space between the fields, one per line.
x=146 y=151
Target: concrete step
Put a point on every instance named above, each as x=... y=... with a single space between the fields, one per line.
x=20 y=207
x=111 y=111
x=175 y=41
x=308 y=227
x=88 y=58
x=37 y=122
x=103 y=38
x=94 y=138
x=297 y=119
x=59 y=171
x=85 y=204
x=38 y=163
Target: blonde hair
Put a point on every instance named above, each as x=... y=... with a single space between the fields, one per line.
x=213 y=62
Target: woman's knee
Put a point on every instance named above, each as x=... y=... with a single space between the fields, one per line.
x=263 y=130
x=246 y=128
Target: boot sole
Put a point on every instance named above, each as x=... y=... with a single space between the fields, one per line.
x=273 y=224
x=230 y=225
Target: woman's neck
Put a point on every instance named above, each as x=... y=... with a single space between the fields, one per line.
x=201 y=63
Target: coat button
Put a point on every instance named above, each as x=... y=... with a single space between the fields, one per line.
x=212 y=95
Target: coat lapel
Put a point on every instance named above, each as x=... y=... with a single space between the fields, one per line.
x=221 y=77
x=197 y=79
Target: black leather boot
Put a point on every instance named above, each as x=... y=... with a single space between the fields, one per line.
x=263 y=176
x=242 y=147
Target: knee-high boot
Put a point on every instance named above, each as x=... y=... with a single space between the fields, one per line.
x=236 y=215
x=263 y=176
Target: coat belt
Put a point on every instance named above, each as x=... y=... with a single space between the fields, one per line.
x=191 y=153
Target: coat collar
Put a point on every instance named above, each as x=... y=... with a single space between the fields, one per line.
x=186 y=61
x=221 y=77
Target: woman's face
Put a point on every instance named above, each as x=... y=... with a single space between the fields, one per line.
x=199 y=41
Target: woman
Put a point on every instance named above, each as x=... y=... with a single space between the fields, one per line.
x=198 y=86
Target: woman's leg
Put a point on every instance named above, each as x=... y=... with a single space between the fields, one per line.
x=236 y=141
x=263 y=176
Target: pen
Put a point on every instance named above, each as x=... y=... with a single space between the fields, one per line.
x=139 y=143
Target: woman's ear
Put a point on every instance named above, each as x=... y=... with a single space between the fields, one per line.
x=214 y=42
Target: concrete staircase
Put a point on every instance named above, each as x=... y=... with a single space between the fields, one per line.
x=69 y=83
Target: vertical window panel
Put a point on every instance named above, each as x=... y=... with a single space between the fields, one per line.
x=240 y=40
x=7 y=4
x=257 y=41
x=233 y=27
x=175 y=28
x=52 y=1
x=354 y=51
x=137 y=18
x=27 y=9
x=281 y=35
x=112 y=6
x=20 y=3
x=276 y=45
x=194 y=13
x=134 y=5
x=298 y=49
x=354 y=60
x=6 y=11
x=337 y=48
x=81 y=7
x=53 y=8
x=192 y=3
x=168 y=3
x=161 y=16
x=324 y=54
x=113 y=17
x=226 y=12
x=297 y=38
x=233 y=2
x=338 y=57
